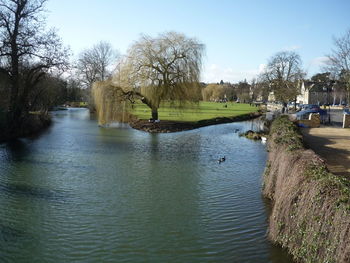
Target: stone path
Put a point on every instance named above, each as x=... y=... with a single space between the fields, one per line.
x=333 y=145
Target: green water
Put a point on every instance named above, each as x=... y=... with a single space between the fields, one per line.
x=81 y=193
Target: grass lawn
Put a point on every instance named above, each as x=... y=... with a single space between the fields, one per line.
x=196 y=112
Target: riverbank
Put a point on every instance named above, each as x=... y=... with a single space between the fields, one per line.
x=34 y=124
x=177 y=126
x=311 y=206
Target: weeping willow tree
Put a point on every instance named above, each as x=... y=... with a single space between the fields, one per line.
x=111 y=103
x=165 y=68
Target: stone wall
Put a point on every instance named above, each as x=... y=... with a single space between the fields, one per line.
x=314 y=121
x=310 y=206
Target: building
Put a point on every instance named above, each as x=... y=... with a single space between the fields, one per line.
x=271 y=97
x=321 y=93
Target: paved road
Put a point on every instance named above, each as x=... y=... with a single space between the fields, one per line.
x=335 y=114
x=333 y=145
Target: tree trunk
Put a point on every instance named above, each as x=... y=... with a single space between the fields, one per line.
x=155 y=113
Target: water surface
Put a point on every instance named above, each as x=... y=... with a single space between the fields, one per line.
x=81 y=193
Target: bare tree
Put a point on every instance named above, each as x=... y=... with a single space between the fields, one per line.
x=339 y=61
x=163 y=68
x=96 y=64
x=27 y=52
x=283 y=74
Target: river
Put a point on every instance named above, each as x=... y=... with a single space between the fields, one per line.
x=82 y=193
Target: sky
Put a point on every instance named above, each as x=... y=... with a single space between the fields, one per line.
x=239 y=35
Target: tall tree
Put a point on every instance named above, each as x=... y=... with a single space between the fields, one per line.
x=321 y=77
x=163 y=68
x=339 y=61
x=96 y=64
x=243 y=91
x=27 y=52
x=215 y=92
x=283 y=74
x=50 y=91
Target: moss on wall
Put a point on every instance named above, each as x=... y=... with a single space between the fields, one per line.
x=311 y=207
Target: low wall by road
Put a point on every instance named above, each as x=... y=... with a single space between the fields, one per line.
x=274 y=107
x=314 y=121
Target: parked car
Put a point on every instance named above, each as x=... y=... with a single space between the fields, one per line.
x=346 y=110
x=310 y=107
x=304 y=114
x=291 y=106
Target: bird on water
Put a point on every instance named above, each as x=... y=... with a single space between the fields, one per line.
x=222 y=159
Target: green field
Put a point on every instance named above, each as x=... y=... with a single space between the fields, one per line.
x=194 y=112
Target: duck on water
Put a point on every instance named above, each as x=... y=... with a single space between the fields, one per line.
x=222 y=159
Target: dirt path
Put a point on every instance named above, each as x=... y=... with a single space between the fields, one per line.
x=332 y=144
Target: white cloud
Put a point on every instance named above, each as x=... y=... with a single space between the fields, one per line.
x=319 y=61
x=262 y=68
x=315 y=65
x=291 y=48
x=214 y=73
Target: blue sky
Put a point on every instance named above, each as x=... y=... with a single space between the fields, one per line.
x=240 y=36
